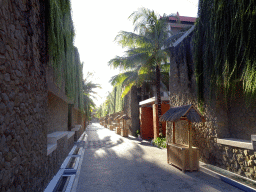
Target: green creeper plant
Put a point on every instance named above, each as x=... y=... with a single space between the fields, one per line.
x=224 y=47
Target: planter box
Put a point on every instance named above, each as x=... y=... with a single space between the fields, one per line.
x=124 y=132
x=178 y=155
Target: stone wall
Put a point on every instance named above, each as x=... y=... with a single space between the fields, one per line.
x=71 y=142
x=57 y=114
x=74 y=117
x=231 y=120
x=241 y=116
x=131 y=108
x=56 y=158
x=23 y=96
x=237 y=160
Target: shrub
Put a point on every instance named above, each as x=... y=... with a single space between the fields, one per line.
x=160 y=142
x=137 y=133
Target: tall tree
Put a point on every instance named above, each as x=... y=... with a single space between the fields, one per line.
x=146 y=49
x=88 y=96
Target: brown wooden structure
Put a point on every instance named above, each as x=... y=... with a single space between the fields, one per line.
x=124 y=130
x=118 y=128
x=185 y=157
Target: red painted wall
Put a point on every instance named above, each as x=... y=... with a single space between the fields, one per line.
x=164 y=107
x=146 y=122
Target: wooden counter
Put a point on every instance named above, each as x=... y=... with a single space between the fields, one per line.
x=178 y=155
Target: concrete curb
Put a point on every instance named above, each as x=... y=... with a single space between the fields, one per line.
x=226 y=179
x=74 y=186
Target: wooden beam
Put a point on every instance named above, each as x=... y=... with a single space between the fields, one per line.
x=184 y=118
x=173 y=132
x=190 y=145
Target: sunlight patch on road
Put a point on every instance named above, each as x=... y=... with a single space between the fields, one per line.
x=100 y=153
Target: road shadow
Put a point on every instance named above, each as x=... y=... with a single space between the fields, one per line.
x=131 y=166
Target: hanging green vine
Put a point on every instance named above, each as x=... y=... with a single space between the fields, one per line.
x=64 y=57
x=224 y=50
x=60 y=43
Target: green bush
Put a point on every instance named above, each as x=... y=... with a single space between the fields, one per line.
x=137 y=133
x=160 y=142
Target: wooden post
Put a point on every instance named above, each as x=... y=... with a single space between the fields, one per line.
x=173 y=132
x=190 y=145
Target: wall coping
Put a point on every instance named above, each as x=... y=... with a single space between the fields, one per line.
x=70 y=133
x=77 y=128
x=246 y=144
x=53 y=137
x=51 y=148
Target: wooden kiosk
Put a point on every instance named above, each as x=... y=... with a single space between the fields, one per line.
x=185 y=157
x=106 y=121
x=110 y=119
x=124 y=130
x=118 y=127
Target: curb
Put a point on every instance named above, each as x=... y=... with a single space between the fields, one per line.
x=226 y=179
x=74 y=186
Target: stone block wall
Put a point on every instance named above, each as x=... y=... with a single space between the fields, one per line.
x=57 y=114
x=241 y=116
x=24 y=113
x=131 y=108
x=231 y=120
x=23 y=96
x=56 y=158
x=237 y=160
x=78 y=134
x=75 y=117
x=71 y=142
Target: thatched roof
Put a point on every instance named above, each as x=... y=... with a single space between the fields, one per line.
x=110 y=118
x=125 y=117
x=175 y=113
x=117 y=117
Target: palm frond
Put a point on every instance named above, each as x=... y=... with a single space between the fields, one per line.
x=127 y=89
x=130 y=40
x=119 y=79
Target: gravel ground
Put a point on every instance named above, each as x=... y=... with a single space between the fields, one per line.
x=114 y=163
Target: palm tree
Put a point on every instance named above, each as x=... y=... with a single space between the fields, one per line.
x=146 y=49
x=140 y=78
x=88 y=96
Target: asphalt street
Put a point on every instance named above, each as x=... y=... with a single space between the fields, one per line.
x=114 y=163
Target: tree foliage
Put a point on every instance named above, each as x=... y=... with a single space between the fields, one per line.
x=114 y=103
x=224 y=48
x=88 y=91
x=63 y=55
x=145 y=49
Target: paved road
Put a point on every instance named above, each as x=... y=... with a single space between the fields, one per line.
x=114 y=163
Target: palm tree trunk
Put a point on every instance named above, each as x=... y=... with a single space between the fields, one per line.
x=158 y=94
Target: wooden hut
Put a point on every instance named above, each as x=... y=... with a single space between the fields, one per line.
x=124 y=130
x=106 y=121
x=118 y=129
x=185 y=157
x=110 y=119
